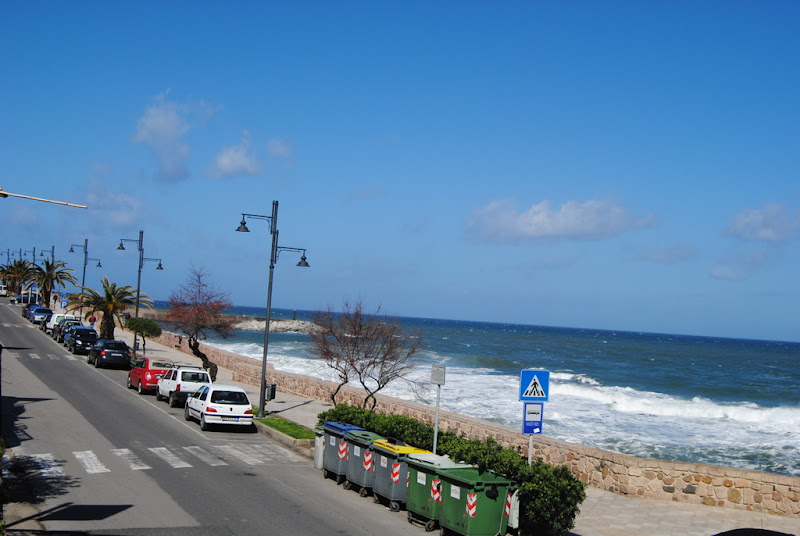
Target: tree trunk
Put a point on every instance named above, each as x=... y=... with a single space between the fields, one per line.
x=107 y=327
x=194 y=345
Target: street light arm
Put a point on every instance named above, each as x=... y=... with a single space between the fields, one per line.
x=6 y=194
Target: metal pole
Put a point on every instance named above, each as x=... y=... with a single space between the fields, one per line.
x=272 y=258
x=85 y=261
x=138 y=287
x=436 y=422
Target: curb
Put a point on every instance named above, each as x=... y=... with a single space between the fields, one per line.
x=304 y=447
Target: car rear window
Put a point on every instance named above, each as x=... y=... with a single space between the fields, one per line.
x=194 y=377
x=160 y=364
x=116 y=346
x=229 y=397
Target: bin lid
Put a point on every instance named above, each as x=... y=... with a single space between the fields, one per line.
x=469 y=476
x=364 y=437
x=434 y=461
x=392 y=448
x=340 y=428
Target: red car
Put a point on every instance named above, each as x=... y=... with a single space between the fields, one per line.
x=145 y=373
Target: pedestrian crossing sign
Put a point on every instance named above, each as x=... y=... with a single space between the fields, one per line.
x=534 y=385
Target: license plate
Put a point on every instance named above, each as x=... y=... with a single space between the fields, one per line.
x=234 y=419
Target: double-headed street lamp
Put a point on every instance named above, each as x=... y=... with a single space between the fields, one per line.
x=142 y=258
x=86 y=260
x=273 y=258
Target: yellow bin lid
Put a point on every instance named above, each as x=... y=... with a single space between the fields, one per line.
x=388 y=446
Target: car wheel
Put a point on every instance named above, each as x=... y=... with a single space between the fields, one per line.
x=129 y=385
x=203 y=424
x=96 y=363
x=186 y=414
x=173 y=400
x=158 y=395
x=141 y=388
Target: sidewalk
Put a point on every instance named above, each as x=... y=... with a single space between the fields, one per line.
x=602 y=513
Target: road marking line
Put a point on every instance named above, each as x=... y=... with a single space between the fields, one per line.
x=243 y=456
x=133 y=461
x=53 y=356
x=90 y=462
x=172 y=459
x=204 y=456
x=34 y=356
x=70 y=357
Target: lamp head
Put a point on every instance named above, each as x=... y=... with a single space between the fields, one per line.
x=303 y=263
x=243 y=227
x=121 y=247
x=99 y=265
x=159 y=267
x=71 y=250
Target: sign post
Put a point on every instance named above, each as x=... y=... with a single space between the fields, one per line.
x=437 y=377
x=534 y=389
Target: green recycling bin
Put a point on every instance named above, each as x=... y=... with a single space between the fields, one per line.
x=334 y=458
x=360 y=465
x=391 y=471
x=474 y=503
x=424 y=495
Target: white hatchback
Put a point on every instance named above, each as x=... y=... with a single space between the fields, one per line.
x=219 y=404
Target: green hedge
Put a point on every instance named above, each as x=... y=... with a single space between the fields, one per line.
x=549 y=496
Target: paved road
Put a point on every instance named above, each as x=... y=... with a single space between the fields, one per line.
x=108 y=459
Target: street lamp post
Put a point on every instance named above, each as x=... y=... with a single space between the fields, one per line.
x=142 y=258
x=86 y=260
x=273 y=258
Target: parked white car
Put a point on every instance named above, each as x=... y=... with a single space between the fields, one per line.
x=54 y=319
x=219 y=404
x=180 y=383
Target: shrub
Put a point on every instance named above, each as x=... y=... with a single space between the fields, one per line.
x=549 y=497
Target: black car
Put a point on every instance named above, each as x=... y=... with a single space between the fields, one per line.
x=81 y=339
x=108 y=353
x=26 y=298
x=61 y=328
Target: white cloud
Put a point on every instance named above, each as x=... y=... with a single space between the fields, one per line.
x=771 y=223
x=113 y=209
x=500 y=221
x=729 y=273
x=161 y=128
x=279 y=148
x=236 y=161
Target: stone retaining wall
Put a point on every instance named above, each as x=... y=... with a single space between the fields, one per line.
x=655 y=479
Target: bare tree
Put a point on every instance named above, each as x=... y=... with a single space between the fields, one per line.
x=370 y=348
x=195 y=310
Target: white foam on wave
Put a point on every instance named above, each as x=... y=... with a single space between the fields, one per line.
x=581 y=410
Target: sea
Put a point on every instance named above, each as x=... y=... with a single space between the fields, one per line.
x=721 y=401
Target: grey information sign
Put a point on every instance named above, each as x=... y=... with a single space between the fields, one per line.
x=437 y=374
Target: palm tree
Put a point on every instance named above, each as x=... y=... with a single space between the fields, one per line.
x=112 y=303
x=16 y=275
x=51 y=275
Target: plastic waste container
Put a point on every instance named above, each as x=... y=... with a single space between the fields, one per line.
x=391 y=471
x=424 y=495
x=319 y=446
x=334 y=460
x=474 y=503
x=360 y=465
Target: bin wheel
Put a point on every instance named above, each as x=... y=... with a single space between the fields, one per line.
x=363 y=492
x=347 y=484
x=376 y=498
x=326 y=473
x=339 y=479
x=430 y=526
x=394 y=506
x=410 y=517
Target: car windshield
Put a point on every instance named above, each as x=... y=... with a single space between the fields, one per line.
x=229 y=397
x=116 y=346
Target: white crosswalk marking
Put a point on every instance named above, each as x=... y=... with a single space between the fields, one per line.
x=276 y=453
x=47 y=465
x=90 y=462
x=249 y=459
x=54 y=356
x=133 y=461
x=15 y=355
x=172 y=459
x=34 y=356
x=68 y=356
x=204 y=456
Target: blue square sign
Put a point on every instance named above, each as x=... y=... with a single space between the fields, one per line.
x=534 y=385
x=532 y=418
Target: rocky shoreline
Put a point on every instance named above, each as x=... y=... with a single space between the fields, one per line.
x=251 y=323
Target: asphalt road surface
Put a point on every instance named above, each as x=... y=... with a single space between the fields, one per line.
x=109 y=461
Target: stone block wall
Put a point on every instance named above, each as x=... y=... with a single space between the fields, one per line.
x=710 y=485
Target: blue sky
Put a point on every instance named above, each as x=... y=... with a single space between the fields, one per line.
x=616 y=165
